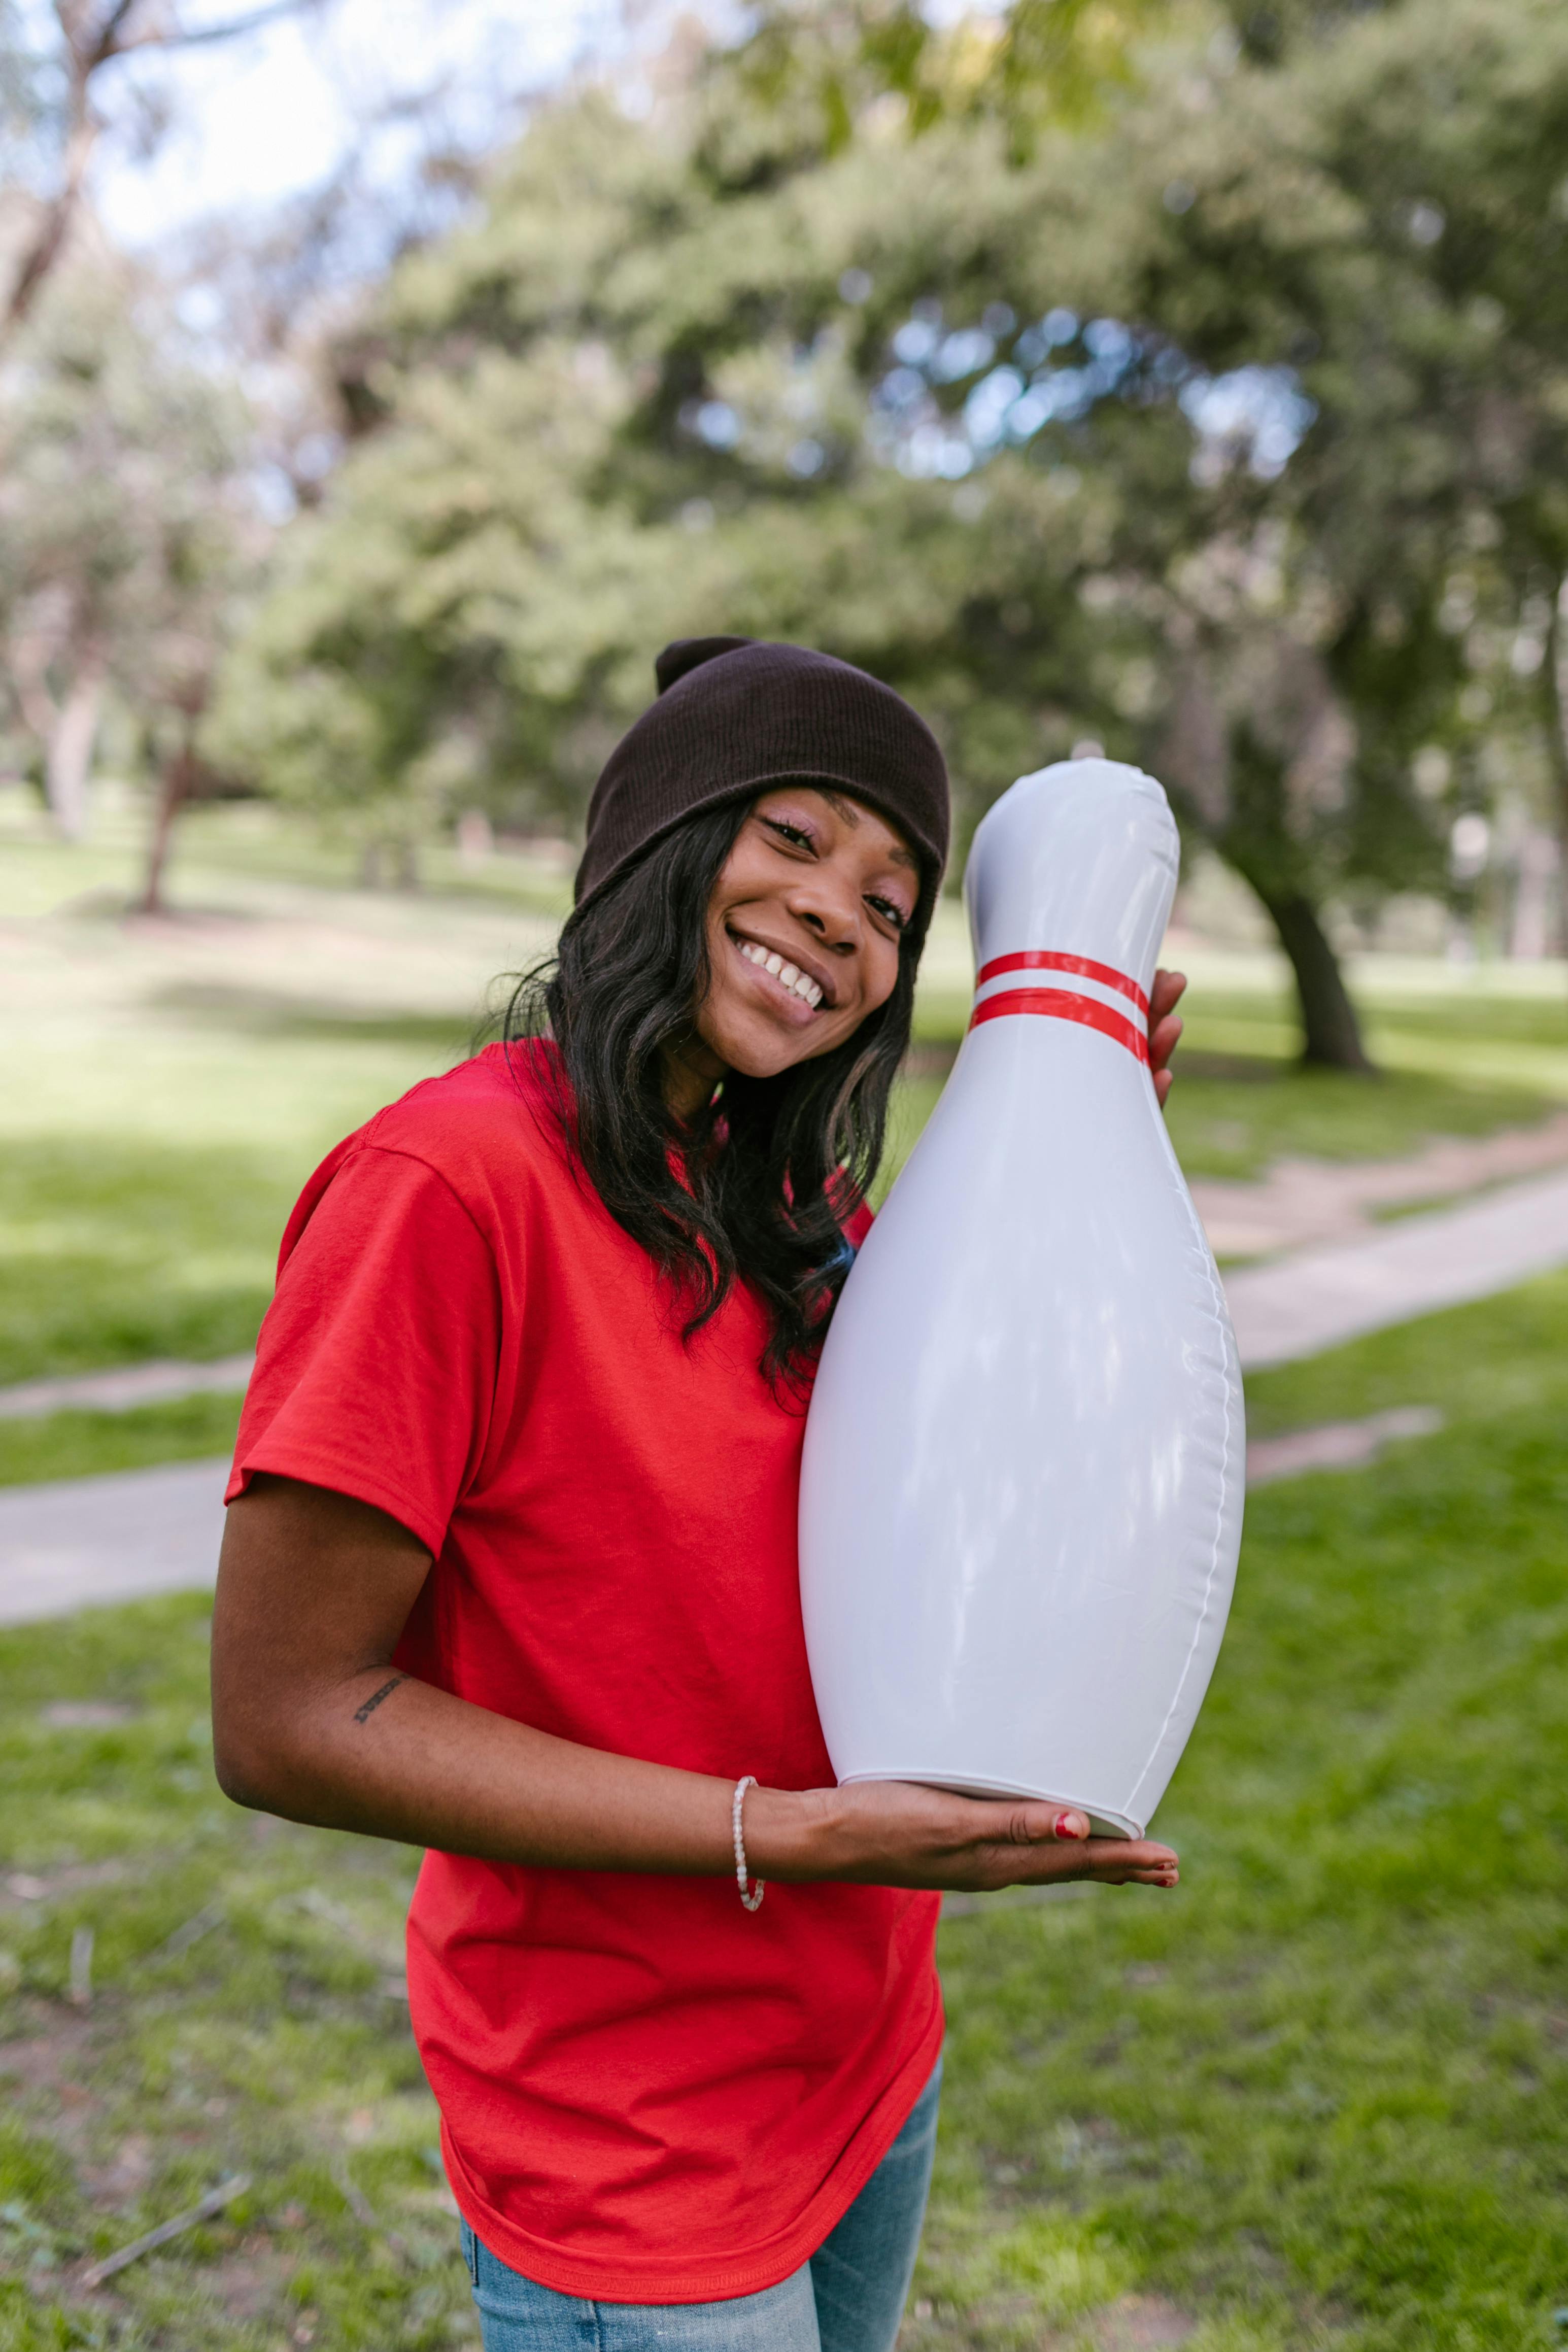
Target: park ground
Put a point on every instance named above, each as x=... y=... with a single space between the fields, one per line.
x=1316 y=2097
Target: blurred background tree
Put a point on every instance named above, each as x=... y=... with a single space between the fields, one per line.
x=1184 y=381
x=52 y=75
x=126 y=527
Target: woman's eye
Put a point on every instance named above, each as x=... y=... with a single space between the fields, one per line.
x=893 y=913
x=796 y=835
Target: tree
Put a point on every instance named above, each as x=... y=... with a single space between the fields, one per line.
x=1104 y=442
x=127 y=527
x=91 y=35
x=1379 y=214
x=1034 y=63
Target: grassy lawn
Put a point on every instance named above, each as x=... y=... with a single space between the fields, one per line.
x=164 y=1090
x=1319 y=2097
x=81 y=1445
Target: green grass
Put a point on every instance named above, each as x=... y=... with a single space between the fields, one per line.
x=1318 y=2097
x=165 y=1091
x=112 y=1254
x=274 y=2044
x=81 y=1445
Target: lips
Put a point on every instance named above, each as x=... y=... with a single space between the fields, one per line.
x=791 y=976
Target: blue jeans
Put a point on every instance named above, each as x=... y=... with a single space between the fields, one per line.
x=850 y=2297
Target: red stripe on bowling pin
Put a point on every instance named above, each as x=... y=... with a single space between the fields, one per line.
x=1061 y=1004
x=1048 y=960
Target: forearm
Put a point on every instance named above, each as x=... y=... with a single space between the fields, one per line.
x=391 y=1757
x=311 y=1720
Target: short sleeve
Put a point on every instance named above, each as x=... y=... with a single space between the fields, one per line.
x=376 y=1364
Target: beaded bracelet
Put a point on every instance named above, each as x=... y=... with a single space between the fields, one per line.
x=752 y=1901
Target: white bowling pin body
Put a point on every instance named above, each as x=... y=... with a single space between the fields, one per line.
x=1022 y=1487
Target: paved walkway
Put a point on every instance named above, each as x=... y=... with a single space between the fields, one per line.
x=122 y=1391
x=136 y=1532
x=114 y=1538
x=144 y=1531
x=1300 y=1201
x=1319 y=1299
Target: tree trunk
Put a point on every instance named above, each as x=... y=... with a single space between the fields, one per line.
x=48 y=238
x=1554 y=728
x=1330 y=1032
x=175 y=785
x=68 y=758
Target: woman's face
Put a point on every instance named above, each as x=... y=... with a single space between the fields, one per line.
x=804 y=924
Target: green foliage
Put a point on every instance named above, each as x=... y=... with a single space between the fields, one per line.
x=1222 y=429
x=1037 y=63
x=127 y=531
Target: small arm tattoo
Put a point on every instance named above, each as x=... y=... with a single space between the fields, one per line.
x=363 y=1714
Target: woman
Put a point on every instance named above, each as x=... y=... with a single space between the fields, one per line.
x=511 y=1564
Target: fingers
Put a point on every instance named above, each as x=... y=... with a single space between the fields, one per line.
x=1166 y=993
x=1137 y=1863
x=899 y=1833
x=1164 y=1039
x=1106 y=1861
x=1165 y=1029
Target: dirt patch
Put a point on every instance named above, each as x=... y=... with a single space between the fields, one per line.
x=1138 y=2322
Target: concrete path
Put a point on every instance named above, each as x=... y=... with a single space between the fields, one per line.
x=143 y=1531
x=1298 y=1204
x=1302 y=1202
x=93 y=1540
x=114 y=1538
x=1319 y=1299
x=1336 y=1444
x=122 y=1391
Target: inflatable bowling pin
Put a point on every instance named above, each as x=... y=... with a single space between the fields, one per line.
x=1022 y=1487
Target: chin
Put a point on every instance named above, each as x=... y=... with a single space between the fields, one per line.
x=766 y=1056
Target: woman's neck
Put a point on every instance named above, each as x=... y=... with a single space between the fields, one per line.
x=690 y=1074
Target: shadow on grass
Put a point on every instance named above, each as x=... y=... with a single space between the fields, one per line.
x=272 y=1013
x=113 y=1252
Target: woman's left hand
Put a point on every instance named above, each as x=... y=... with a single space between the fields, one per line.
x=1164 y=1028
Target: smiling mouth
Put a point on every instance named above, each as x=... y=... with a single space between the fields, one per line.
x=778 y=967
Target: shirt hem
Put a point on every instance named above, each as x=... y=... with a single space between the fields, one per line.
x=761 y=2267
x=340 y=1478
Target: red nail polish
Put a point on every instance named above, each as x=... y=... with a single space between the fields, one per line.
x=1066 y=1827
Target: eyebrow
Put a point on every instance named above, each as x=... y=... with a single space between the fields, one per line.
x=850 y=813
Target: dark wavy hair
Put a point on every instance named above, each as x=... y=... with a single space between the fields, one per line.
x=771 y=1166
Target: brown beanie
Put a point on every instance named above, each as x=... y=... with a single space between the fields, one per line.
x=734 y=715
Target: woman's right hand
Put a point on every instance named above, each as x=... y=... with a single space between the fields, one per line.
x=896 y=1834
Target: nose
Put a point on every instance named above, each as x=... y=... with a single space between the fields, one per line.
x=830 y=908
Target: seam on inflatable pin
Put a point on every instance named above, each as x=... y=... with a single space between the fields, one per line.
x=1215 y=1296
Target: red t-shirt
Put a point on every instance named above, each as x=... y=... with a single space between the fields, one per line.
x=647 y=2093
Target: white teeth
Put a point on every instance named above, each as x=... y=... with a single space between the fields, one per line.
x=790 y=974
